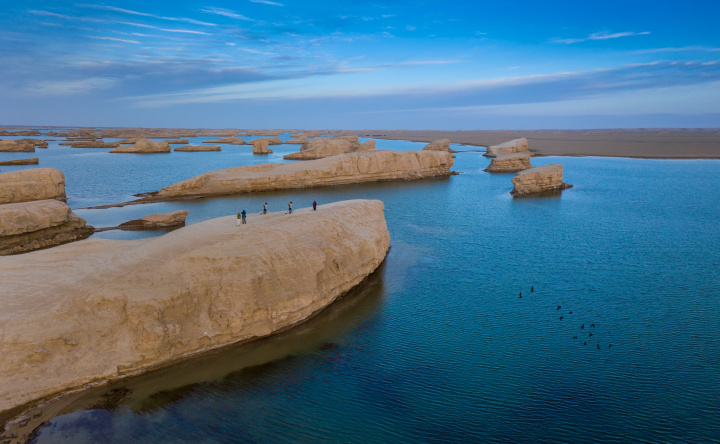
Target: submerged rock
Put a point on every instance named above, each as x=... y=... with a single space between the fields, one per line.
x=191 y=148
x=144 y=146
x=542 y=179
x=509 y=163
x=101 y=309
x=157 y=221
x=513 y=146
x=365 y=166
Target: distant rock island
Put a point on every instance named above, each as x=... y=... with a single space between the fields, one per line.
x=320 y=147
x=542 y=179
x=194 y=148
x=144 y=146
x=99 y=310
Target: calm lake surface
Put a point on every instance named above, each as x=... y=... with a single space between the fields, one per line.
x=437 y=345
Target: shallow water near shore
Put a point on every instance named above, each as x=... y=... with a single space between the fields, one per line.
x=437 y=345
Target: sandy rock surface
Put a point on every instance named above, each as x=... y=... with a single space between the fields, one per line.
x=15 y=146
x=98 y=144
x=542 y=179
x=144 y=146
x=365 y=166
x=31 y=161
x=177 y=141
x=439 y=145
x=509 y=163
x=320 y=147
x=512 y=146
x=156 y=221
x=367 y=145
x=260 y=146
x=101 y=309
x=232 y=140
x=192 y=148
x=33 y=184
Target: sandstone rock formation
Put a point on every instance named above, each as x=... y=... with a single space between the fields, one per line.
x=546 y=178
x=439 y=145
x=260 y=146
x=33 y=214
x=16 y=146
x=509 y=163
x=33 y=184
x=31 y=161
x=365 y=166
x=158 y=221
x=177 y=141
x=299 y=138
x=367 y=145
x=270 y=140
x=191 y=148
x=232 y=140
x=101 y=309
x=320 y=147
x=35 y=142
x=144 y=146
x=513 y=146
x=99 y=144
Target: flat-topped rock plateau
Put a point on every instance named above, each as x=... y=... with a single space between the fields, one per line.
x=512 y=146
x=538 y=180
x=364 y=166
x=144 y=146
x=16 y=146
x=194 y=148
x=99 y=309
x=320 y=147
x=509 y=163
x=157 y=221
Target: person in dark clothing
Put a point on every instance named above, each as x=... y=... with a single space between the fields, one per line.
x=265 y=208
x=314 y=206
x=290 y=208
x=243 y=216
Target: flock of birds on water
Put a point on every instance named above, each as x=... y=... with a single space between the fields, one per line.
x=582 y=327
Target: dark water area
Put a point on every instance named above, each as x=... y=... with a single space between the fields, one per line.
x=437 y=345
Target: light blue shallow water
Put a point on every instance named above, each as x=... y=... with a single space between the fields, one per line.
x=437 y=346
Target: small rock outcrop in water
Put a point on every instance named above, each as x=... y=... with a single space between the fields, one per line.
x=16 y=146
x=509 y=163
x=320 y=147
x=158 y=221
x=177 y=141
x=37 y=143
x=31 y=161
x=439 y=145
x=144 y=146
x=101 y=309
x=191 y=148
x=232 y=140
x=33 y=214
x=542 y=179
x=365 y=166
x=260 y=146
x=98 y=144
x=513 y=146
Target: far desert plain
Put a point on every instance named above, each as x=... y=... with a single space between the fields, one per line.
x=450 y=286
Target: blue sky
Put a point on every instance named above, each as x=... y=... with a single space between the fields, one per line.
x=423 y=64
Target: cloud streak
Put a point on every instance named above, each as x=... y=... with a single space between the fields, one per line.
x=144 y=14
x=604 y=35
x=267 y=2
x=226 y=13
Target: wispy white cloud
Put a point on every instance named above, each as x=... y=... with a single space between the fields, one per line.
x=226 y=13
x=267 y=2
x=182 y=31
x=61 y=88
x=681 y=49
x=410 y=28
x=65 y=17
x=145 y=14
x=113 y=39
x=603 y=35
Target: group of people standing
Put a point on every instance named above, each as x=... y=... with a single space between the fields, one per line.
x=241 y=216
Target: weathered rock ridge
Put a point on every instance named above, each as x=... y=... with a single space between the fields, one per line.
x=192 y=148
x=439 y=145
x=365 y=166
x=33 y=184
x=16 y=146
x=320 y=147
x=101 y=309
x=509 y=163
x=232 y=140
x=157 y=221
x=144 y=146
x=542 y=179
x=31 y=161
x=512 y=146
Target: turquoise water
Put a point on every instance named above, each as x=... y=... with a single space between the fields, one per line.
x=437 y=346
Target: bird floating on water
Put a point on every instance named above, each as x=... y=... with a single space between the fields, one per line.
x=532 y=289
x=582 y=326
x=559 y=307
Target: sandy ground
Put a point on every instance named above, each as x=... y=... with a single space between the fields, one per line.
x=645 y=143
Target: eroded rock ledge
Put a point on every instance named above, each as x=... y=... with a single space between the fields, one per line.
x=111 y=308
x=542 y=179
x=364 y=166
x=509 y=163
x=512 y=146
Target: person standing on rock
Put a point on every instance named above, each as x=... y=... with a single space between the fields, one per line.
x=290 y=208
x=314 y=206
x=243 y=216
x=265 y=208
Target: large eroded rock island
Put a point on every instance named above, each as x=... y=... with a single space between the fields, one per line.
x=542 y=179
x=362 y=166
x=509 y=163
x=101 y=309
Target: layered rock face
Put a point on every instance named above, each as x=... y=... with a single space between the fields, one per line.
x=102 y=309
x=232 y=140
x=33 y=214
x=16 y=146
x=439 y=145
x=191 y=148
x=509 y=163
x=367 y=145
x=31 y=161
x=513 y=146
x=365 y=166
x=540 y=179
x=157 y=221
x=144 y=146
x=269 y=140
x=320 y=147
x=260 y=146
